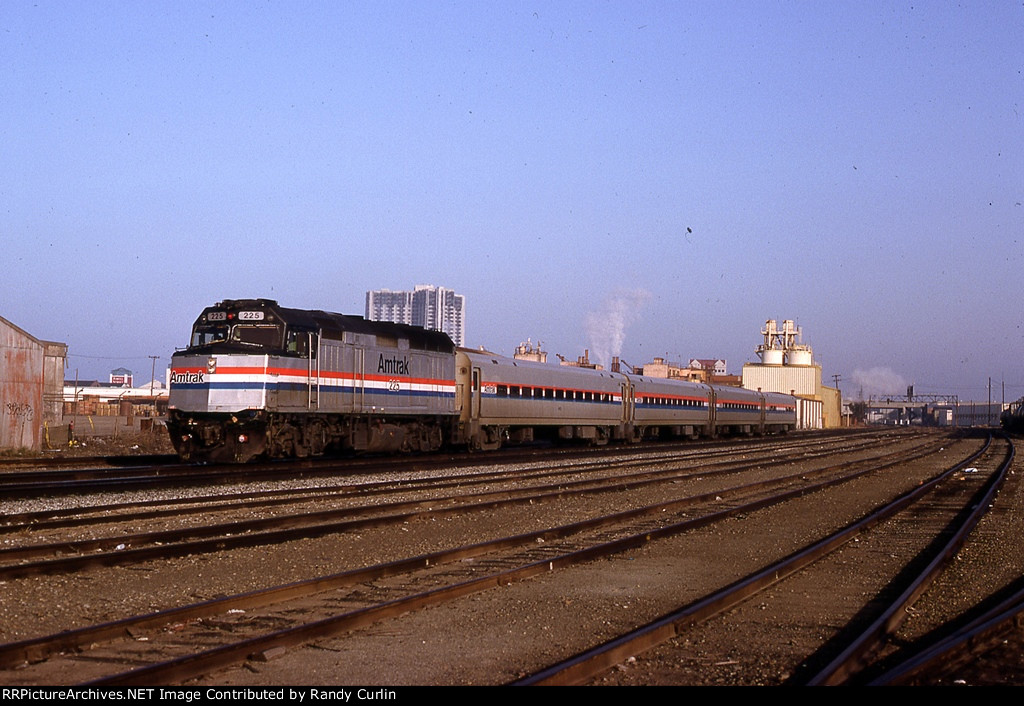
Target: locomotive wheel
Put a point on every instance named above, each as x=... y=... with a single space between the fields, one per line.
x=282 y=440
x=488 y=439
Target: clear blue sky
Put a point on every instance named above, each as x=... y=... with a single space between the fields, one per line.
x=701 y=166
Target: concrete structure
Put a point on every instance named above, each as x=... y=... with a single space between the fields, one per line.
x=31 y=373
x=661 y=368
x=931 y=410
x=783 y=378
x=967 y=414
x=527 y=351
x=706 y=370
x=787 y=365
x=809 y=413
x=582 y=361
x=430 y=307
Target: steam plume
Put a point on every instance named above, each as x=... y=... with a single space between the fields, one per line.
x=878 y=382
x=606 y=327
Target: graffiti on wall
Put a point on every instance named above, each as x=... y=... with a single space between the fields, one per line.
x=19 y=410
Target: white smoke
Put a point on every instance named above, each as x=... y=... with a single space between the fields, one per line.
x=606 y=327
x=878 y=382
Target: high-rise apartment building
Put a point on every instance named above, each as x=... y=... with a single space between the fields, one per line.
x=428 y=306
x=385 y=305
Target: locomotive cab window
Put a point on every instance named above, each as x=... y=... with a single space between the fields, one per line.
x=258 y=335
x=205 y=335
x=298 y=343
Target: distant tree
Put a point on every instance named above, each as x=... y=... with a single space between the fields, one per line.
x=859 y=412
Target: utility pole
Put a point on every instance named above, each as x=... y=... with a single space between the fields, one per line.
x=152 y=379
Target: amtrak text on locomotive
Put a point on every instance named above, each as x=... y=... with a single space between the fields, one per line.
x=185 y=378
x=393 y=366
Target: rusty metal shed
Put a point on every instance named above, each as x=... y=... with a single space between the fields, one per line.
x=31 y=387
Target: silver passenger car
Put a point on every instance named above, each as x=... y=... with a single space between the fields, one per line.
x=664 y=407
x=503 y=399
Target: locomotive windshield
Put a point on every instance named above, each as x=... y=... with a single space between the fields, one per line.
x=258 y=335
x=262 y=335
x=205 y=335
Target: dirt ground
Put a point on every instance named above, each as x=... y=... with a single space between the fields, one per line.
x=121 y=440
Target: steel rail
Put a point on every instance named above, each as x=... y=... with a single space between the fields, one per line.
x=22 y=484
x=201 y=663
x=590 y=663
x=993 y=623
x=962 y=644
x=855 y=657
x=180 y=542
x=80 y=516
x=37 y=649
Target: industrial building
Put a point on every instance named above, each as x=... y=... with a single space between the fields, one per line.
x=706 y=370
x=94 y=396
x=31 y=380
x=98 y=408
x=787 y=366
x=527 y=351
x=661 y=368
x=928 y=410
x=430 y=307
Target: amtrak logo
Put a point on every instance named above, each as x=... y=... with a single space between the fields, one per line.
x=186 y=378
x=393 y=366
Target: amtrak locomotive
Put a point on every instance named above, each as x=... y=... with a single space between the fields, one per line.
x=259 y=380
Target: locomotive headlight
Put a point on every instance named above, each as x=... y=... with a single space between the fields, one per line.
x=211 y=366
x=243 y=438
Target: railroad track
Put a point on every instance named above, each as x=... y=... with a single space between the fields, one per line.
x=369 y=595
x=937 y=516
x=52 y=478
x=983 y=648
x=393 y=503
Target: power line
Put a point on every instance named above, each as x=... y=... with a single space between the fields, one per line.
x=112 y=357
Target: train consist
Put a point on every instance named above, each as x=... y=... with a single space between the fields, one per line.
x=259 y=380
x=1012 y=418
